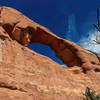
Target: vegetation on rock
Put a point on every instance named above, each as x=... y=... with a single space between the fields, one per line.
x=90 y=95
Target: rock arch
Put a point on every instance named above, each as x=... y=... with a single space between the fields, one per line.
x=26 y=31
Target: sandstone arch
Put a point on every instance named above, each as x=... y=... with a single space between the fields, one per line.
x=26 y=31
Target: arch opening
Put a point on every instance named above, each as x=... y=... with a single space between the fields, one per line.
x=46 y=51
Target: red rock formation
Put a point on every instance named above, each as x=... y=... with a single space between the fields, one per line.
x=26 y=31
x=27 y=75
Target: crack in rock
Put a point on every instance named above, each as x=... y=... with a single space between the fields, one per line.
x=11 y=87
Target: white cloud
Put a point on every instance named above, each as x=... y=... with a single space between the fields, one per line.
x=88 y=42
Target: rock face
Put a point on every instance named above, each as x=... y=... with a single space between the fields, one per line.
x=27 y=75
x=26 y=31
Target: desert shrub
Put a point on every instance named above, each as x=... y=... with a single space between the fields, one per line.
x=90 y=95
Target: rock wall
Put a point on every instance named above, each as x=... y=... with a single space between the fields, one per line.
x=27 y=75
x=0 y=50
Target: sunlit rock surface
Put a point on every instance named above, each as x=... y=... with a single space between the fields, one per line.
x=27 y=75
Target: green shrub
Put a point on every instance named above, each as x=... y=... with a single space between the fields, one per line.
x=90 y=95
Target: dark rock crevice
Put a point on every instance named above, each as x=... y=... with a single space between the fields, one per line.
x=11 y=87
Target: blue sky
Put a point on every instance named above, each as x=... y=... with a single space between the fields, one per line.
x=57 y=16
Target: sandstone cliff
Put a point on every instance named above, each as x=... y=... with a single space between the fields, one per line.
x=27 y=75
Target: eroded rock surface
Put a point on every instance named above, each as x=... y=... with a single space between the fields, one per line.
x=26 y=31
x=27 y=75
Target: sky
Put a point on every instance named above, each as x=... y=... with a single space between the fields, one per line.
x=68 y=19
